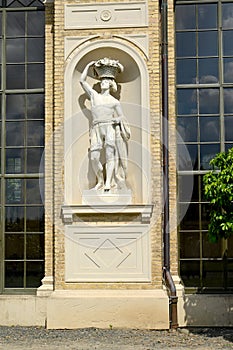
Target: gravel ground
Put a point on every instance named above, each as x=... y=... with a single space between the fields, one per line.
x=36 y=338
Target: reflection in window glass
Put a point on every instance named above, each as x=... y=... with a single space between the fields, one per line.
x=34 y=159
x=14 y=191
x=208 y=152
x=35 y=76
x=187 y=128
x=15 y=50
x=190 y=219
x=188 y=157
x=33 y=191
x=15 y=133
x=35 y=133
x=15 y=23
x=207 y=16
x=185 y=17
x=227 y=43
x=35 y=106
x=208 y=70
x=190 y=273
x=212 y=273
x=209 y=129
x=187 y=101
x=228 y=101
x=15 y=106
x=35 y=48
x=188 y=188
x=227 y=15
x=208 y=43
x=209 y=101
x=14 y=161
x=15 y=77
x=228 y=70
x=228 y=128
x=186 y=71
x=36 y=23
x=184 y=44
x=14 y=219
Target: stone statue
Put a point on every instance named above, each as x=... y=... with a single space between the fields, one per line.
x=109 y=130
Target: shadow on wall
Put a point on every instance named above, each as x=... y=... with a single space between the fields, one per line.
x=210 y=310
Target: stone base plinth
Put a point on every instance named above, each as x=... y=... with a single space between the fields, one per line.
x=143 y=309
x=119 y=197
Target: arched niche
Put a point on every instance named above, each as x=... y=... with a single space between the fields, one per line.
x=133 y=94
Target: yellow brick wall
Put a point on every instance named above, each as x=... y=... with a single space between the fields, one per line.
x=55 y=64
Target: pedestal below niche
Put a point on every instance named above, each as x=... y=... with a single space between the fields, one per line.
x=111 y=252
x=122 y=197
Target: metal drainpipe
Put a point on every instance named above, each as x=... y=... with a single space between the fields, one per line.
x=165 y=134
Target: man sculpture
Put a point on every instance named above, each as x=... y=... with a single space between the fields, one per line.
x=109 y=130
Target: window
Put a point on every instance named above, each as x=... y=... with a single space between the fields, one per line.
x=204 y=68
x=22 y=143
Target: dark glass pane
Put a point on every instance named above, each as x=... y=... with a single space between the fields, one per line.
x=35 y=50
x=227 y=15
x=35 y=246
x=35 y=106
x=34 y=160
x=187 y=101
x=34 y=274
x=36 y=23
x=227 y=43
x=211 y=250
x=15 y=3
x=190 y=219
x=15 y=50
x=186 y=71
x=209 y=101
x=229 y=268
x=25 y=2
x=188 y=188
x=228 y=146
x=207 y=16
x=14 y=161
x=228 y=70
x=15 y=133
x=187 y=128
x=188 y=157
x=208 y=152
x=186 y=44
x=35 y=76
x=228 y=101
x=205 y=216
x=228 y=122
x=190 y=273
x=189 y=245
x=230 y=247
x=208 y=70
x=14 y=191
x=15 y=24
x=14 y=273
x=35 y=133
x=15 y=76
x=14 y=246
x=14 y=221
x=15 y=106
x=209 y=129
x=35 y=219
x=33 y=195
x=208 y=43
x=185 y=17
x=213 y=274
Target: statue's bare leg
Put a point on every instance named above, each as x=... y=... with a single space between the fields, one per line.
x=110 y=164
x=98 y=169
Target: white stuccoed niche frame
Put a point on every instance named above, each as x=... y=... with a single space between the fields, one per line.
x=107 y=253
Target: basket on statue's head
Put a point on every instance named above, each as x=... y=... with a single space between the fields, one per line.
x=107 y=68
